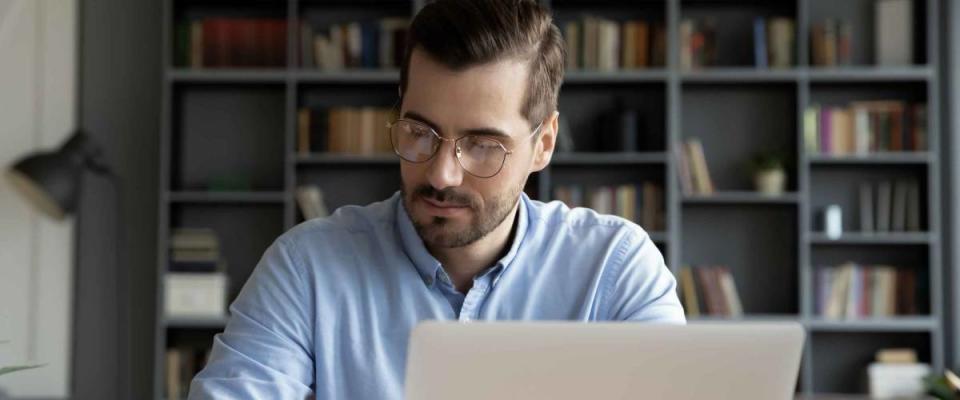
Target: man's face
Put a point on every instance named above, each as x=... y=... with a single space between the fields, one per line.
x=448 y=206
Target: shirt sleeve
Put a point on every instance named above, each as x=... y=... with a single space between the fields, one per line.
x=266 y=350
x=642 y=288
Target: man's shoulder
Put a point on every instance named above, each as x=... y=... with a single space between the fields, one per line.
x=345 y=222
x=560 y=222
x=556 y=215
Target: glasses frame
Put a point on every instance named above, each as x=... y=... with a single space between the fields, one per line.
x=458 y=152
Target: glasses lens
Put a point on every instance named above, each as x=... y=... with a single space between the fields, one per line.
x=412 y=141
x=481 y=156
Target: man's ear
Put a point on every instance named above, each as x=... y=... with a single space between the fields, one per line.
x=543 y=150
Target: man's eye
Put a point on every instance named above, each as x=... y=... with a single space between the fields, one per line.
x=481 y=143
x=419 y=132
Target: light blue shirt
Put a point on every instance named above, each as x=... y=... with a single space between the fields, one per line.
x=329 y=308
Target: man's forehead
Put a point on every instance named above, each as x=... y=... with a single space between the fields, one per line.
x=490 y=93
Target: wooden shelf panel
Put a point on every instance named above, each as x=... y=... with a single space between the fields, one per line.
x=741 y=197
x=225 y=197
x=892 y=158
x=879 y=238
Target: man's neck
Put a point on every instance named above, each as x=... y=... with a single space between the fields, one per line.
x=462 y=264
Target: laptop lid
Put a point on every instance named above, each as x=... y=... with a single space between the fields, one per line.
x=571 y=360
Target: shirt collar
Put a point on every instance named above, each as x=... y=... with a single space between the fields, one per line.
x=428 y=266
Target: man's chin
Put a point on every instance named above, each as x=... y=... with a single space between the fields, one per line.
x=444 y=233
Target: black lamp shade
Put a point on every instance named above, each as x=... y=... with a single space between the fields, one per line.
x=51 y=180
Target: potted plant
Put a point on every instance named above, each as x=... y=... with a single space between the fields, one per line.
x=769 y=175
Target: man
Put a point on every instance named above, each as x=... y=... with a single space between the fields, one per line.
x=329 y=309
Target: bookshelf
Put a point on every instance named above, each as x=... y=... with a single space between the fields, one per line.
x=237 y=127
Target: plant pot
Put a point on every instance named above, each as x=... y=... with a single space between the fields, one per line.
x=771 y=182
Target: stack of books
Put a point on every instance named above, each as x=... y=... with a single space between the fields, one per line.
x=773 y=42
x=643 y=204
x=831 y=43
x=231 y=42
x=865 y=127
x=344 y=130
x=195 y=250
x=196 y=286
x=898 y=374
x=709 y=290
x=369 y=44
x=698 y=43
x=597 y=43
x=694 y=173
x=859 y=291
x=890 y=206
x=182 y=364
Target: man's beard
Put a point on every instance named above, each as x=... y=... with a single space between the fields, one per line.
x=438 y=232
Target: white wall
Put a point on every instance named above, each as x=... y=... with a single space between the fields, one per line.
x=38 y=61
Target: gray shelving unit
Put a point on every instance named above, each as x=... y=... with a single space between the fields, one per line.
x=219 y=121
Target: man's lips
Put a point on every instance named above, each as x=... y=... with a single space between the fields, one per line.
x=442 y=207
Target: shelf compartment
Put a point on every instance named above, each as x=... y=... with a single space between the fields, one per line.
x=244 y=231
x=861 y=16
x=591 y=115
x=841 y=185
x=840 y=359
x=733 y=26
x=248 y=120
x=735 y=122
x=758 y=244
x=368 y=183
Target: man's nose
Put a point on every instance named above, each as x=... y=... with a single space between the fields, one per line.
x=444 y=170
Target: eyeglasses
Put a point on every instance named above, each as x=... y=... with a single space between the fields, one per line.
x=479 y=155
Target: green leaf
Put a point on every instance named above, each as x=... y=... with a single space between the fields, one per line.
x=7 y=370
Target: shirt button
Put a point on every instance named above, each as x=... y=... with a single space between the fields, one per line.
x=429 y=281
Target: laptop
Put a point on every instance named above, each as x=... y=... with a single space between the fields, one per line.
x=571 y=360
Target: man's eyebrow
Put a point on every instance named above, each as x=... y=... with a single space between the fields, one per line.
x=486 y=131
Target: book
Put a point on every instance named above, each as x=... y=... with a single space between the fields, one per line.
x=898 y=220
x=642 y=37
x=781 y=38
x=913 y=206
x=884 y=206
x=760 y=42
x=866 y=208
x=303 y=131
x=686 y=44
x=571 y=35
x=811 y=139
x=311 y=202
x=688 y=291
x=684 y=173
x=174 y=389
x=844 y=46
x=704 y=184
x=893 y=32
x=730 y=294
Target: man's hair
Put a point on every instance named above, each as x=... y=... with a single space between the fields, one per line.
x=465 y=33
